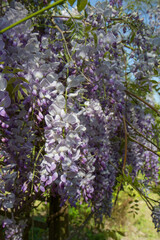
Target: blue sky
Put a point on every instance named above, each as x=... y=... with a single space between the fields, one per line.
x=93 y=2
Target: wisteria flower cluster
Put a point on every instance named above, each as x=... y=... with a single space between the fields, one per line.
x=65 y=112
x=155 y=217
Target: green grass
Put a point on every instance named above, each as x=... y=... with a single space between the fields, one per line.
x=141 y=227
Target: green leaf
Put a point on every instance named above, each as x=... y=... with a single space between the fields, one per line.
x=16 y=89
x=23 y=79
x=85 y=14
x=81 y=4
x=155 y=72
x=119 y=178
x=154 y=81
x=16 y=70
x=24 y=90
x=71 y=2
x=137 y=209
x=130 y=168
x=20 y=96
x=12 y=80
x=88 y=28
x=136 y=183
x=86 y=35
x=105 y=55
x=7 y=69
x=2 y=159
x=9 y=89
x=132 y=37
x=95 y=38
x=121 y=233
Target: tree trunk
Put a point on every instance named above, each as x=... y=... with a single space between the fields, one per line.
x=26 y=234
x=26 y=230
x=58 y=220
x=2 y=234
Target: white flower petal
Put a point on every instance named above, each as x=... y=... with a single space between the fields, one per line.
x=3 y=83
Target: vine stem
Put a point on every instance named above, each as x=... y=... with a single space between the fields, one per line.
x=149 y=149
x=40 y=151
x=65 y=42
x=126 y=134
x=67 y=17
x=142 y=100
x=33 y=15
x=141 y=134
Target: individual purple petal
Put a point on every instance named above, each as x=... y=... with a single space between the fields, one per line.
x=4 y=140
x=48 y=169
x=3 y=112
x=74 y=168
x=24 y=187
x=49 y=120
x=40 y=115
x=35 y=188
x=60 y=101
x=42 y=188
x=43 y=178
x=53 y=166
x=72 y=118
x=6 y=222
x=61 y=185
x=55 y=176
x=73 y=81
x=49 y=181
x=63 y=178
x=37 y=74
x=5 y=100
x=2 y=45
x=3 y=83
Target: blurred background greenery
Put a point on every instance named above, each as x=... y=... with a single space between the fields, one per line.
x=130 y=220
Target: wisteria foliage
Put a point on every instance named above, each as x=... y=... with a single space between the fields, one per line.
x=64 y=106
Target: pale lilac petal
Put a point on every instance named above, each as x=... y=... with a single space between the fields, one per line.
x=63 y=178
x=43 y=178
x=42 y=188
x=55 y=176
x=49 y=181
x=53 y=166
